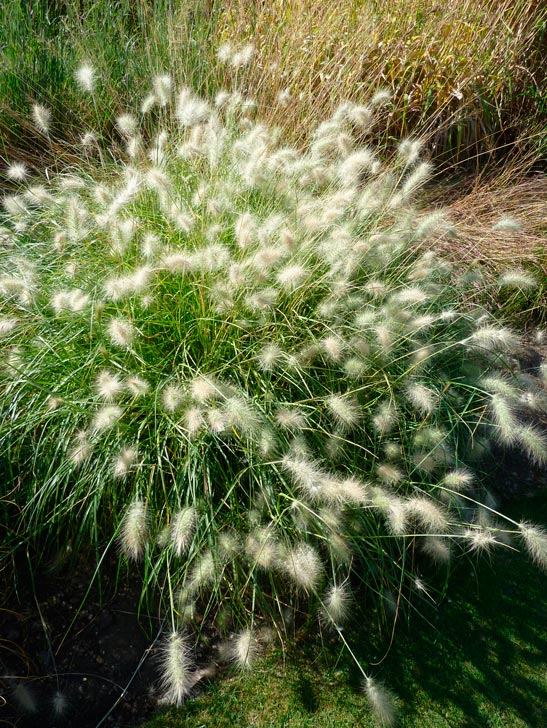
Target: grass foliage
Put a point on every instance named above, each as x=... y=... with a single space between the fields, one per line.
x=244 y=363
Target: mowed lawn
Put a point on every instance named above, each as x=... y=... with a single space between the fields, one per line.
x=477 y=659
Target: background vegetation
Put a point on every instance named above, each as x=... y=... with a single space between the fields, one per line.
x=470 y=80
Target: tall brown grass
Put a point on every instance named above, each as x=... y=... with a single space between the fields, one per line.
x=468 y=75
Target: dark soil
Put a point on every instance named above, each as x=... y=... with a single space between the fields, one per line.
x=76 y=659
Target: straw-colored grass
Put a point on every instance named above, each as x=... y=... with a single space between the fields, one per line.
x=467 y=74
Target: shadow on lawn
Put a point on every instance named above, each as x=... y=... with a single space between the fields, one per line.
x=482 y=650
x=477 y=660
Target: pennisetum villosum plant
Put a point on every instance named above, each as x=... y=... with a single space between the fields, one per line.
x=246 y=364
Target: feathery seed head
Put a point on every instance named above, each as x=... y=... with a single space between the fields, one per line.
x=334 y=347
x=290 y=418
x=385 y=418
x=7 y=325
x=493 y=337
x=479 y=539
x=517 y=279
x=81 y=448
x=430 y=515
x=352 y=491
x=203 y=574
x=85 y=77
x=389 y=474
x=262 y=548
x=222 y=99
x=127 y=124
x=284 y=98
x=409 y=150
x=106 y=417
x=217 y=420
x=108 y=385
x=305 y=474
x=436 y=548
x=89 y=140
x=203 y=389
x=182 y=529
x=535 y=541
x=172 y=397
x=345 y=411
x=393 y=508
x=245 y=230
x=416 y=179
x=266 y=258
x=224 y=53
x=151 y=245
x=18 y=172
x=60 y=704
x=458 y=480
x=504 y=418
x=533 y=442
x=267 y=442
x=134 y=147
x=243 y=57
x=361 y=116
x=303 y=566
x=382 y=97
x=229 y=545
x=193 y=421
x=411 y=296
x=42 y=118
x=162 y=86
x=25 y=699
x=384 y=338
x=121 y=332
x=355 y=368
x=381 y=701
x=134 y=531
x=38 y=195
x=15 y=206
x=148 y=104
x=352 y=170
x=191 y=110
x=137 y=386
x=125 y=462
x=508 y=224
x=270 y=356
x=336 y=604
x=423 y=399
x=177 y=669
x=241 y=415
x=244 y=649
x=291 y=277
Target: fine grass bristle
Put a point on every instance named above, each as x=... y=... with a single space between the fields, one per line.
x=244 y=649
x=134 y=531
x=535 y=541
x=381 y=701
x=177 y=669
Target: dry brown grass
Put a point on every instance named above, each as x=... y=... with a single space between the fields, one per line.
x=464 y=74
x=478 y=208
x=476 y=205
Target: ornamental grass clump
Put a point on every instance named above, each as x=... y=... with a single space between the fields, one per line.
x=245 y=364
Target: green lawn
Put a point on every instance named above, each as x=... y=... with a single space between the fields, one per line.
x=479 y=658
